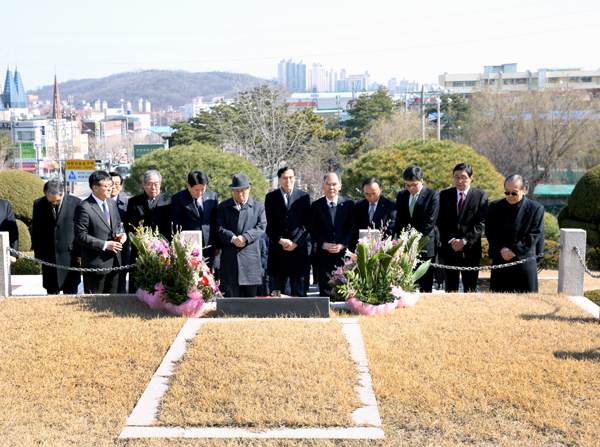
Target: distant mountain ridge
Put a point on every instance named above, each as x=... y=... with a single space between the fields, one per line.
x=161 y=87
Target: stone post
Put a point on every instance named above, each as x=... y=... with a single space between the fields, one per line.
x=570 y=270
x=366 y=232
x=5 y=289
x=194 y=236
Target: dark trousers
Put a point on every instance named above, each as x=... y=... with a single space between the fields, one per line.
x=426 y=281
x=279 y=283
x=520 y=278
x=243 y=291
x=101 y=283
x=67 y=290
x=324 y=272
x=469 y=279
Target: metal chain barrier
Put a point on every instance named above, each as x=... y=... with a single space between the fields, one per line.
x=493 y=267
x=587 y=270
x=73 y=269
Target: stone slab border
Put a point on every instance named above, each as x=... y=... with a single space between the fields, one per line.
x=586 y=305
x=259 y=307
x=367 y=419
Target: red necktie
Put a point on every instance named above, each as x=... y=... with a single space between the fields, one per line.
x=461 y=203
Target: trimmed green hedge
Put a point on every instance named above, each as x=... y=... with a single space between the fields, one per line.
x=551 y=228
x=24 y=236
x=436 y=158
x=25 y=266
x=21 y=188
x=584 y=202
x=175 y=164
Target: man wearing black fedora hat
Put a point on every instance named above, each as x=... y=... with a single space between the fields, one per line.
x=241 y=221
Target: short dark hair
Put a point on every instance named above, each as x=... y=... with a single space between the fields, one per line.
x=334 y=173
x=413 y=173
x=285 y=168
x=371 y=180
x=97 y=177
x=464 y=167
x=54 y=187
x=197 y=178
x=517 y=177
x=116 y=174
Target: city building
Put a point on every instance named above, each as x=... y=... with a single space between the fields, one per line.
x=292 y=75
x=197 y=106
x=506 y=78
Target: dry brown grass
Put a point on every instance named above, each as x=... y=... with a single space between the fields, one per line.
x=487 y=370
x=482 y=370
x=264 y=374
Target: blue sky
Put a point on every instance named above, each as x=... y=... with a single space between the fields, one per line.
x=396 y=38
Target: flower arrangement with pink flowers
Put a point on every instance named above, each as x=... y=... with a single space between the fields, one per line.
x=176 y=270
x=381 y=270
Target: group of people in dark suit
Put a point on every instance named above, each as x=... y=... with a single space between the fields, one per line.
x=90 y=232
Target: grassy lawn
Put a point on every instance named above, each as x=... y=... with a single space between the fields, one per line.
x=484 y=370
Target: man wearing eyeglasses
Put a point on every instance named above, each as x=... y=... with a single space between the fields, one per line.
x=463 y=210
x=418 y=206
x=53 y=237
x=152 y=209
x=117 y=195
x=515 y=231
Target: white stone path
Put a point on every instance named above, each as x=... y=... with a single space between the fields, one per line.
x=366 y=418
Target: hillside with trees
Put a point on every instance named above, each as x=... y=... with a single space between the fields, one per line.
x=161 y=87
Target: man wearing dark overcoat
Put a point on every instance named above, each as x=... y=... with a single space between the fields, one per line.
x=418 y=206
x=53 y=238
x=332 y=229
x=118 y=196
x=8 y=223
x=375 y=210
x=96 y=223
x=461 y=220
x=151 y=209
x=288 y=222
x=515 y=231
x=241 y=221
x=195 y=209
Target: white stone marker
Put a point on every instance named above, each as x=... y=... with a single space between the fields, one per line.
x=570 y=270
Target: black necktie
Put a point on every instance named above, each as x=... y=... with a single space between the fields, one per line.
x=200 y=210
x=332 y=212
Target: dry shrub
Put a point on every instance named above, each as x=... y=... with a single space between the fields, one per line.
x=264 y=374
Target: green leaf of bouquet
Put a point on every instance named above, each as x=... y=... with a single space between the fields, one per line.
x=421 y=270
x=361 y=260
x=422 y=243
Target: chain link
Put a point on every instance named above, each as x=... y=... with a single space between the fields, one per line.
x=587 y=270
x=73 y=269
x=493 y=267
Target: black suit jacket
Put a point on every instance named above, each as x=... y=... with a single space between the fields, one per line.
x=185 y=217
x=323 y=230
x=385 y=215
x=8 y=223
x=469 y=226
x=139 y=213
x=54 y=241
x=424 y=215
x=291 y=223
x=92 y=231
x=525 y=237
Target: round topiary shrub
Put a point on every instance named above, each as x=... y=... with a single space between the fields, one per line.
x=551 y=228
x=25 y=266
x=592 y=258
x=176 y=163
x=24 y=236
x=21 y=188
x=436 y=158
x=584 y=202
x=563 y=214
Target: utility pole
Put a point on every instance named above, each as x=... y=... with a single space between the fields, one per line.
x=423 y=110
